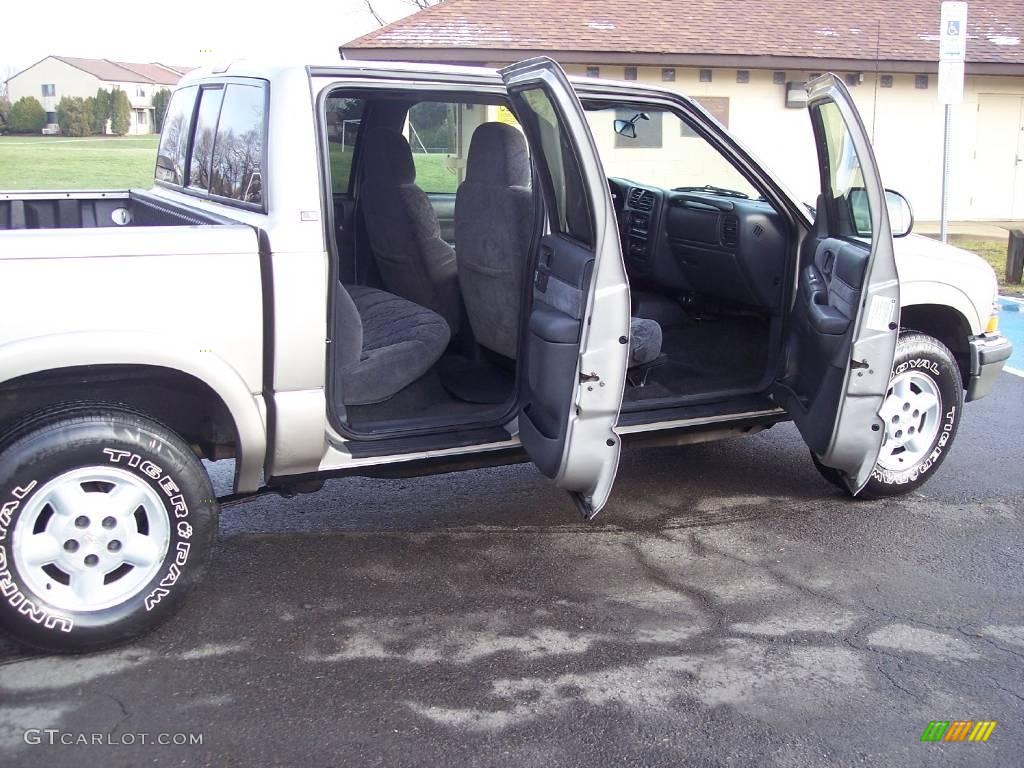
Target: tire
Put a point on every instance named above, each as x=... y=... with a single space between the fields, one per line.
x=107 y=519
x=923 y=367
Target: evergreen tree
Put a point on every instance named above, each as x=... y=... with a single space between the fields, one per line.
x=120 y=113
x=5 y=113
x=160 y=101
x=101 y=111
x=74 y=117
x=27 y=116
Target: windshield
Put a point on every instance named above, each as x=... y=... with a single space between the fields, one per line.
x=661 y=150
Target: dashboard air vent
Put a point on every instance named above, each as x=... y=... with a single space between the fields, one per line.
x=641 y=199
x=730 y=230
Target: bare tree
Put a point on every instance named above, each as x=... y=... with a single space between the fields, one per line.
x=373 y=12
x=420 y=4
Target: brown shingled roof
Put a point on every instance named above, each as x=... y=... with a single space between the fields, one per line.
x=887 y=30
x=123 y=71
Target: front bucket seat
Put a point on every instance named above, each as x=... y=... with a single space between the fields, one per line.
x=404 y=234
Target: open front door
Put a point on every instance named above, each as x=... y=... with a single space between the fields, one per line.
x=842 y=338
x=576 y=344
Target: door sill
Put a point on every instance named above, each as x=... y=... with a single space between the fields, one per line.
x=437 y=441
x=756 y=406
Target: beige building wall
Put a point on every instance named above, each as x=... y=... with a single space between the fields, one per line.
x=69 y=81
x=906 y=124
x=72 y=81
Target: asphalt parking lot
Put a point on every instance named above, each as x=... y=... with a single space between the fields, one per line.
x=728 y=607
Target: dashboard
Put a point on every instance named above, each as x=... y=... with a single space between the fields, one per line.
x=730 y=248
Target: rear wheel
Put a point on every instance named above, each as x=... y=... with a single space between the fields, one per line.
x=106 y=521
x=921 y=411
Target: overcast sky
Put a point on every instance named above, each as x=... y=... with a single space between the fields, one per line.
x=186 y=32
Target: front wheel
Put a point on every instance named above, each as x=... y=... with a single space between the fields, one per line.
x=106 y=521
x=921 y=412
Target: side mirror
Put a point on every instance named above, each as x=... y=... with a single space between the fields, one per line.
x=625 y=128
x=901 y=215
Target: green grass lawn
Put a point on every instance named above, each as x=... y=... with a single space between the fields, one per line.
x=994 y=252
x=431 y=174
x=108 y=162
x=55 y=162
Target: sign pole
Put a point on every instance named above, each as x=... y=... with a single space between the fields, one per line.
x=952 y=56
x=943 y=235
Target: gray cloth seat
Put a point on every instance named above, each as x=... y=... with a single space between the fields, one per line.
x=404 y=234
x=493 y=229
x=644 y=341
x=384 y=343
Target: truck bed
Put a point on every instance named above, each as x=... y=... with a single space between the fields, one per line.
x=95 y=208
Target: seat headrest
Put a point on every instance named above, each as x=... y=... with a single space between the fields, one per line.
x=498 y=155
x=387 y=157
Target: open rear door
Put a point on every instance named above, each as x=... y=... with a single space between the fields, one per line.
x=845 y=324
x=576 y=344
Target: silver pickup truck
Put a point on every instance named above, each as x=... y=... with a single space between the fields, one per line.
x=391 y=270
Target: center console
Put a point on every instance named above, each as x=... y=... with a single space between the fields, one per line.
x=639 y=227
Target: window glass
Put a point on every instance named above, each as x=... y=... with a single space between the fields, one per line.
x=170 y=158
x=845 y=175
x=648 y=130
x=433 y=131
x=718 y=106
x=238 y=151
x=571 y=213
x=344 y=116
x=202 y=142
x=683 y=159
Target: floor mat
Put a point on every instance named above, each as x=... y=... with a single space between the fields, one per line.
x=425 y=397
x=706 y=356
x=476 y=381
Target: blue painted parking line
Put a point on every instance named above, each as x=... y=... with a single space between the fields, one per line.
x=1011 y=325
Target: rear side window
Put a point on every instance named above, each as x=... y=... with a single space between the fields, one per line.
x=170 y=158
x=344 y=116
x=236 y=170
x=203 y=138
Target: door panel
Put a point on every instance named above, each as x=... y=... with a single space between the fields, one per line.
x=578 y=325
x=844 y=326
x=561 y=284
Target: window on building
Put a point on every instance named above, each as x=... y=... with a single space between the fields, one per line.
x=49 y=89
x=51 y=117
x=779 y=78
x=742 y=75
x=593 y=71
x=718 y=106
x=237 y=167
x=921 y=81
x=629 y=73
x=705 y=76
x=854 y=79
x=668 y=74
x=886 y=81
x=170 y=158
x=203 y=137
x=648 y=132
x=140 y=91
x=140 y=117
